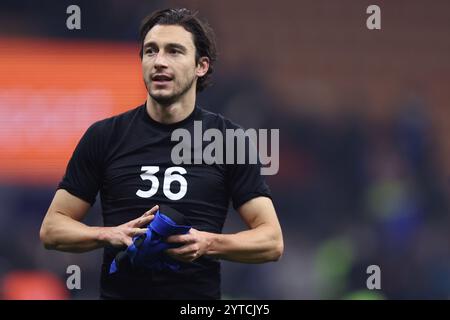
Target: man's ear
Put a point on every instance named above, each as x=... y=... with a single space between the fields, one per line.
x=202 y=66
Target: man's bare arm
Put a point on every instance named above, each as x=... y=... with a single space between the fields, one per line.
x=262 y=242
x=63 y=230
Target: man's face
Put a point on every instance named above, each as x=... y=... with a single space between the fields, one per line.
x=168 y=63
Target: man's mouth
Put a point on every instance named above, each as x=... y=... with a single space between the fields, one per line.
x=160 y=79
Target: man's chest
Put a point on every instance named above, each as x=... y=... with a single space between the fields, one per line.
x=151 y=174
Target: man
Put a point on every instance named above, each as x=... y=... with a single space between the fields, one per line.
x=128 y=159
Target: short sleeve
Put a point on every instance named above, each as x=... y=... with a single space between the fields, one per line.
x=245 y=181
x=84 y=171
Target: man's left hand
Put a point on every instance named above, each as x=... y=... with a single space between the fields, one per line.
x=194 y=245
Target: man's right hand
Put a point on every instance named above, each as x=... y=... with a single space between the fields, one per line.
x=123 y=234
x=63 y=230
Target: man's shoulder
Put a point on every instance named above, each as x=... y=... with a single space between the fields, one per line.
x=111 y=122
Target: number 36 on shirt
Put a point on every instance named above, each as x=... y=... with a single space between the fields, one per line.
x=172 y=174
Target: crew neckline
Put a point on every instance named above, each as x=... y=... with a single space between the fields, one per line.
x=168 y=126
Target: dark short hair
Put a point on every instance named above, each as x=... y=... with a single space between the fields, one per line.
x=203 y=36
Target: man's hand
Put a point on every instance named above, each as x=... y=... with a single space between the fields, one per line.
x=123 y=234
x=195 y=244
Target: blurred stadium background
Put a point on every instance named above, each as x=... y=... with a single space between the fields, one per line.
x=364 y=128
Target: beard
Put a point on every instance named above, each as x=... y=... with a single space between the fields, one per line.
x=168 y=99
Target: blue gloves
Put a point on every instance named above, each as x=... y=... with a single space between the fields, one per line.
x=147 y=250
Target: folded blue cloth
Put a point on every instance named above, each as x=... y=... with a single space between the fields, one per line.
x=147 y=250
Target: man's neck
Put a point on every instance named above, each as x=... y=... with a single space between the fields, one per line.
x=173 y=113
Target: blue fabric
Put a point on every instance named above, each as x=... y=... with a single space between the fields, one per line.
x=147 y=250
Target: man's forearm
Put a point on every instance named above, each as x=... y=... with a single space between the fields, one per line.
x=258 y=245
x=66 y=234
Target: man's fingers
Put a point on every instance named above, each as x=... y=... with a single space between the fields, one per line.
x=143 y=221
x=136 y=231
x=182 y=238
x=185 y=254
x=131 y=233
x=184 y=250
x=174 y=253
x=151 y=211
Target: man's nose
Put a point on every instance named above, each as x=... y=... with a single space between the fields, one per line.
x=160 y=60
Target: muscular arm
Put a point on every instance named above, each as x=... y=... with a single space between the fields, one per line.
x=262 y=242
x=62 y=229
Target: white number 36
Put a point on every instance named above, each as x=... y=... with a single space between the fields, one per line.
x=172 y=174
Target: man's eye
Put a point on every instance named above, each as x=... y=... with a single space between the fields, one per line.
x=175 y=52
x=150 y=51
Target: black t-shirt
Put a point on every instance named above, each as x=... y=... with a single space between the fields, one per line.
x=128 y=159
